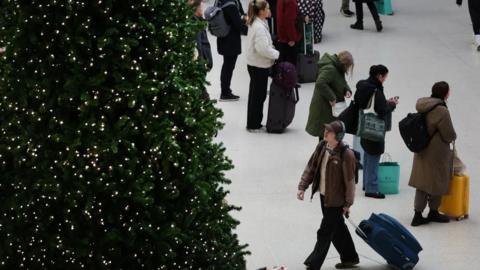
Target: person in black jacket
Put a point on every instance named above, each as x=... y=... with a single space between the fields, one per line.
x=359 y=10
x=231 y=45
x=474 y=10
x=383 y=107
x=203 y=45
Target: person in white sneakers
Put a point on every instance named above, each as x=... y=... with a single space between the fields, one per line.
x=474 y=9
x=261 y=56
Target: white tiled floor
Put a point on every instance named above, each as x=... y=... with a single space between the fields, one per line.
x=424 y=42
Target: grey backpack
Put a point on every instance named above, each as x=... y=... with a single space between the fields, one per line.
x=217 y=25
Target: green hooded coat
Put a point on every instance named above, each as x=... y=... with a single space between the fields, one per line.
x=330 y=86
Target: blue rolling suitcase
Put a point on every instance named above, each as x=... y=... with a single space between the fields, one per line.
x=391 y=240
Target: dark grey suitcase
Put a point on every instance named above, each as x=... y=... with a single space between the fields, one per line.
x=307 y=67
x=281 y=108
x=307 y=59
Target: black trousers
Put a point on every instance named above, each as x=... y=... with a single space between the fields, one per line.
x=228 y=66
x=256 y=96
x=332 y=230
x=474 y=8
x=288 y=53
x=371 y=6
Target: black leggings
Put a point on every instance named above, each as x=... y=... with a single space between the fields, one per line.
x=474 y=8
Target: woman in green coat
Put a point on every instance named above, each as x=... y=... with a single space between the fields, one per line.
x=330 y=88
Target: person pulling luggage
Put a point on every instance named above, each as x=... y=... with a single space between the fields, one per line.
x=331 y=172
x=433 y=167
x=261 y=56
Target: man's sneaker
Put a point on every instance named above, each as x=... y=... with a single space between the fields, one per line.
x=347 y=265
x=357 y=26
x=256 y=130
x=347 y=13
x=229 y=97
x=375 y=195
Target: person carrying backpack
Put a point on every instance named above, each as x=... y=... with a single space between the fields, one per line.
x=331 y=172
x=373 y=150
x=433 y=166
x=261 y=56
x=230 y=46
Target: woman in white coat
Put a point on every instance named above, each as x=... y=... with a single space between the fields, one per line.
x=261 y=56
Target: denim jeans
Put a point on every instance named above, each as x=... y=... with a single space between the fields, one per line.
x=370 y=172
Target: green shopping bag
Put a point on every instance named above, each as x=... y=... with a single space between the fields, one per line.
x=388 y=176
x=384 y=7
x=370 y=126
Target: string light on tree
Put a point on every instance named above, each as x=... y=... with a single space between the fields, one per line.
x=106 y=151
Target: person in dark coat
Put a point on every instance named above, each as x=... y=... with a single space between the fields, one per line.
x=331 y=172
x=383 y=107
x=432 y=168
x=359 y=10
x=474 y=10
x=203 y=45
x=287 y=32
x=231 y=46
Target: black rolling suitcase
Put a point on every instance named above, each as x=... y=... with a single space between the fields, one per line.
x=307 y=59
x=281 y=108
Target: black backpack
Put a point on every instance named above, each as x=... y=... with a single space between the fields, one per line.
x=414 y=132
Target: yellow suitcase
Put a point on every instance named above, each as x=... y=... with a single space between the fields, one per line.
x=456 y=203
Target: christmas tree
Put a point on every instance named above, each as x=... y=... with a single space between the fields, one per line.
x=106 y=153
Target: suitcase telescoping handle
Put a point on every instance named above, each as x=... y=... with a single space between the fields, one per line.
x=360 y=231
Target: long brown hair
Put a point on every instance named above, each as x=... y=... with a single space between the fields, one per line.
x=346 y=59
x=254 y=8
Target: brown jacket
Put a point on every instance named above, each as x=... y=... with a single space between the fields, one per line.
x=340 y=175
x=433 y=167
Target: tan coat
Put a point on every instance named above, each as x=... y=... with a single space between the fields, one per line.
x=433 y=167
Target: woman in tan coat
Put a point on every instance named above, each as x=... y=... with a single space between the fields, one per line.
x=433 y=167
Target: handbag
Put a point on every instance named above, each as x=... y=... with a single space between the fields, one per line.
x=350 y=118
x=388 y=175
x=370 y=126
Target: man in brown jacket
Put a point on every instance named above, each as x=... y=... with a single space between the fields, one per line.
x=432 y=168
x=331 y=171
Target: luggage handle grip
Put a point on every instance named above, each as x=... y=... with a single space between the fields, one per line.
x=360 y=231
x=297 y=98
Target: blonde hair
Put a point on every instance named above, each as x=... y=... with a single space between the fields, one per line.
x=254 y=8
x=346 y=59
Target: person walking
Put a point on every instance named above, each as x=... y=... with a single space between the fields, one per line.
x=345 y=9
x=331 y=172
x=373 y=150
x=288 y=35
x=330 y=88
x=433 y=167
x=358 y=25
x=230 y=46
x=313 y=11
x=474 y=10
x=261 y=55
